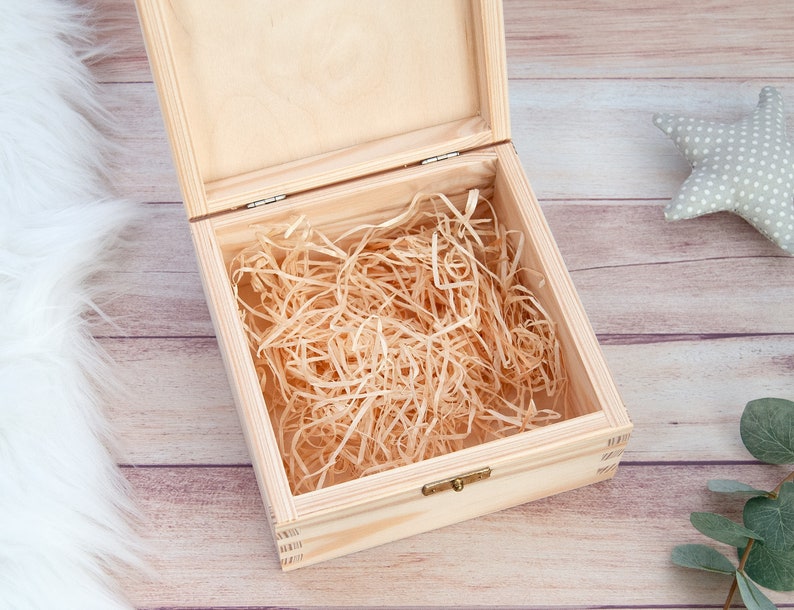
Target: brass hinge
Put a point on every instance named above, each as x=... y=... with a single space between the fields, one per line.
x=440 y=158
x=456 y=483
x=256 y=204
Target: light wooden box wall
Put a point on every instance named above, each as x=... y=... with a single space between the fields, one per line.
x=276 y=109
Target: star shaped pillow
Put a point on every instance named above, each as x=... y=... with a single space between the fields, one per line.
x=746 y=168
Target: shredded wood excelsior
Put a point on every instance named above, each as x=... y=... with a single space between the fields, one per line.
x=396 y=342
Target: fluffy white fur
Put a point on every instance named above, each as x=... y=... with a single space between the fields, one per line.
x=64 y=508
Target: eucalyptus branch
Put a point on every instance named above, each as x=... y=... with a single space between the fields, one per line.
x=788 y=479
x=735 y=583
x=748 y=548
x=765 y=539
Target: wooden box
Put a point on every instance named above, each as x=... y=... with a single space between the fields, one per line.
x=343 y=110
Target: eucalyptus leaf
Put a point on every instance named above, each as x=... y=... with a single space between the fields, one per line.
x=773 y=519
x=752 y=596
x=701 y=557
x=767 y=430
x=728 y=486
x=722 y=529
x=769 y=568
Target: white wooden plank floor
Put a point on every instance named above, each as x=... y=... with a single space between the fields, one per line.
x=696 y=318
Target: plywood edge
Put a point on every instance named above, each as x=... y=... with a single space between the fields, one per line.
x=160 y=55
x=248 y=396
x=557 y=275
x=490 y=38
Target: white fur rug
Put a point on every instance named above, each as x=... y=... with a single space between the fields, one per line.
x=64 y=509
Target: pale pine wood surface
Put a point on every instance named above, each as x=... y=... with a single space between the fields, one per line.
x=695 y=318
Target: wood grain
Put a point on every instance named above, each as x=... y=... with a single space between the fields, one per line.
x=684 y=394
x=253 y=112
x=582 y=39
x=710 y=287
x=211 y=547
x=594 y=140
x=649 y=39
x=694 y=319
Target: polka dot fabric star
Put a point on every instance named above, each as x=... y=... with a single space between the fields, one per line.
x=746 y=168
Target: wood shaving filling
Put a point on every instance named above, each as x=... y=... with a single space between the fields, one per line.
x=396 y=342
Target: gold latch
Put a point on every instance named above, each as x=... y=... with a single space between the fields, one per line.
x=456 y=483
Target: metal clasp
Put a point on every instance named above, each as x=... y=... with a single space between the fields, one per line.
x=456 y=483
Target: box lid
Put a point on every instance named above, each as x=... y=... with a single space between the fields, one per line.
x=268 y=98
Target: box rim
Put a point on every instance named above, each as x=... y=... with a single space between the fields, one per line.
x=555 y=441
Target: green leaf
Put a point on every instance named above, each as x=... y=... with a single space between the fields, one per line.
x=727 y=486
x=722 y=529
x=701 y=557
x=767 y=429
x=773 y=519
x=751 y=595
x=769 y=568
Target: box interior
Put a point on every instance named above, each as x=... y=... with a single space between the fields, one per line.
x=337 y=209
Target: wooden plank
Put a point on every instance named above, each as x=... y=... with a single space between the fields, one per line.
x=580 y=39
x=144 y=169
x=720 y=296
x=211 y=547
x=125 y=57
x=684 y=395
x=156 y=303
x=724 y=297
x=619 y=233
x=706 y=296
x=649 y=39
x=176 y=407
x=159 y=241
x=589 y=234
x=635 y=273
x=595 y=140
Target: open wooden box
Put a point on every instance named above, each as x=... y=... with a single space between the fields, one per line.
x=343 y=111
